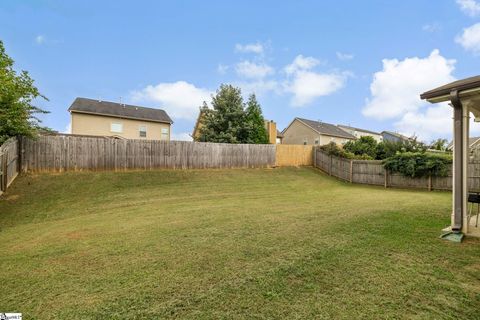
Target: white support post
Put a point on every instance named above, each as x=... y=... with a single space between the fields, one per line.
x=465 y=159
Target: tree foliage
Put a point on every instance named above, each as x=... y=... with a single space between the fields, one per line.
x=418 y=164
x=17 y=93
x=333 y=149
x=256 y=131
x=439 y=144
x=231 y=120
x=366 y=145
x=387 y=149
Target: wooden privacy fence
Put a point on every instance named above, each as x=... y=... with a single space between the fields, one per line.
x=63 y=153
x=293 y=155
x=9 y=163
x=372 y=172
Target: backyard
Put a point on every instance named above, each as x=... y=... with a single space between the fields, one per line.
x=242 y=243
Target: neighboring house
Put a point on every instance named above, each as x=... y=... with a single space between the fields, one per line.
x=279 y=137
x=103 y=118
x=394 y=136
x=358 y=133
x=309 y=132
x=198 y=125
x=473 y=143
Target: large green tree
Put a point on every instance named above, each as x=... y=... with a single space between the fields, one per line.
x=230 y=120
x=17 y=93
x=256 y=131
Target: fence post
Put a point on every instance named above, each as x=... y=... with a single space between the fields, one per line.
x=330 y=167
x=314 y=157
x=430 y=183
x=351 y=171
x=385 y=171
x=5 y=171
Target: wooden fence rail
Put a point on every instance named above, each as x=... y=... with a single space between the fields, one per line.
x=64 y=153
x=9 y=163
x=372 y=172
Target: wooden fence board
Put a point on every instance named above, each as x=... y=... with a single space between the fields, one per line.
x=64 y=152
x=372 y=172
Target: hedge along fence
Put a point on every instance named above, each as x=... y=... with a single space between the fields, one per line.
x=372 y=172
x=69 y=152
x=9 y=163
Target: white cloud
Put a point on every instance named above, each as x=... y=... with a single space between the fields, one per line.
x=222 y=69
x=68 y=128
x=183 y=136
x=344 y=56
x=253 y=70
x=301 y=63
x=256 y=48
x=470 y=39
x=395 y=90
x=433 y=122
x=40 y=39
x=180 y=99
x=259 y=87
x=433 y=27
x=306 y=86
x=469 y=7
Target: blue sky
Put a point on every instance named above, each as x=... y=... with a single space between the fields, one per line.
x=361 y=63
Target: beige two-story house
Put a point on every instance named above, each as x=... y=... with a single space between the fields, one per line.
x=103 y=118
x=358 y=133
x=310 y=132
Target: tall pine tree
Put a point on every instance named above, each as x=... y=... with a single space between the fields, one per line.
x=255 y=123
x=231 y=120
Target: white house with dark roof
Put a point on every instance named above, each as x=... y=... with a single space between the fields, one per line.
x=104 y=118
x=358 y=133
x=310 y=132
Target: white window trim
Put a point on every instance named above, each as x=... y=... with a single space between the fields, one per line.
x=116 y=123
x=140 y=130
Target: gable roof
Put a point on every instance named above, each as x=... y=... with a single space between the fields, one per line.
x=325 y=128
x=113 y=109
x=396 y=134
x=357 y=129
x=471 y=142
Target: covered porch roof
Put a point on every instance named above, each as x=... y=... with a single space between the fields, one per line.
x=468 y=91
x=464 y=97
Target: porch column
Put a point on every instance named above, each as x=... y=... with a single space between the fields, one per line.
x=460 y=166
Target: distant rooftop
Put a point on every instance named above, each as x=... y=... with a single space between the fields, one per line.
x=113 y=109
x=327 y=128
x=357 y=129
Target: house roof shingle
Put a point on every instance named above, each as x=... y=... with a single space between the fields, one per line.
x=471 y=141
x=357 y=129
x=106 y=108
x=326 y=128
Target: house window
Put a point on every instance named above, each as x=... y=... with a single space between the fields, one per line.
x=305 y=141
x=116 y=127
x=142 y=130
x=165 y=133
x=317 y=141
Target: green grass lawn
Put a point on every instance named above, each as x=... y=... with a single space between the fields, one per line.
x=272 y=243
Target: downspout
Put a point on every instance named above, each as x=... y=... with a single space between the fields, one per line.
x=458 y=161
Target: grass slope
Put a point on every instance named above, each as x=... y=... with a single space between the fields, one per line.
x=284 y=243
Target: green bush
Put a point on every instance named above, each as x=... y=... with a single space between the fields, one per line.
x=387 y=149
x=333 y=149
x=364 y=146
x=418 y=164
